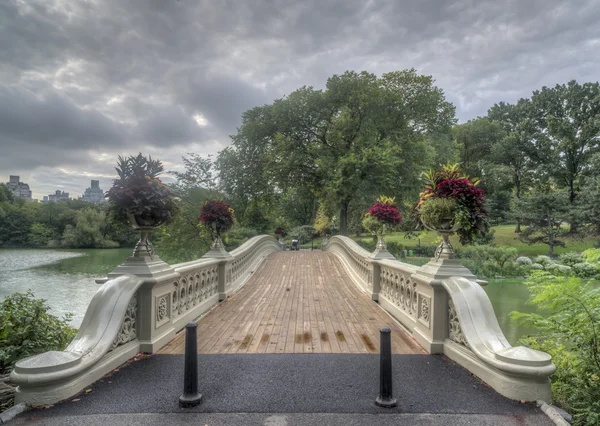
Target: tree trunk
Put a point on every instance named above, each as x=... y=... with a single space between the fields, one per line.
x=550 y=251
x=518 y=187
x=344 y=218
x=572 y=224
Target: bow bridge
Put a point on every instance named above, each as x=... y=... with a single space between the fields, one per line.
x=261 y=299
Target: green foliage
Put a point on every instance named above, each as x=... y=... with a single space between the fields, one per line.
x=543 y=212
x=26 y=328
x=87 y=232
x=591 y=255
x=438 y=210
x=304 y=233
x=362 y=134
x=489 y=260
x=185 y=239
x=39 y=235
x=371 y=224
x=568 y=328
x=571 y=258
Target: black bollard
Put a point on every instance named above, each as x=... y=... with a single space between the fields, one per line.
x=385 y=398
x=190 y=396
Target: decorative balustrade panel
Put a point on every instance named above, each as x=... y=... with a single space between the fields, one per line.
x=408 y=297
x=191 y=289
x=128 y=330
x=400 y=289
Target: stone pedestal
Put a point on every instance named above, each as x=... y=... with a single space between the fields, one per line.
x=217 y=251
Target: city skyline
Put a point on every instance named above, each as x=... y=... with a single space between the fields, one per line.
x=84 y=82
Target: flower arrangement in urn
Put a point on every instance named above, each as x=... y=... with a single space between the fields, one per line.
x=138 y=196
x=452 y=203
x=382 y=215
x=217 y=216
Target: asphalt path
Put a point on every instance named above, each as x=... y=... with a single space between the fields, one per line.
x=302 y=384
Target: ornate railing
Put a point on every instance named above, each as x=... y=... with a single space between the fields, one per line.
x=446 y=310
x=140 y=308
x=355 y=259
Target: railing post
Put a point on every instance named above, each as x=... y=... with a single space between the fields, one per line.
x=222 y=280
x=376 y=284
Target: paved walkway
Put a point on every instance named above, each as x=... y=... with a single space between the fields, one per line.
x=289 y=389
x=297 y=302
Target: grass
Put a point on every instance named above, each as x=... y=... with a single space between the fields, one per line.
x=504 y=236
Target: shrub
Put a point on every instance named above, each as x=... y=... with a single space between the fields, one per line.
x=567 y=328
x=570 y=258
x=395 y=249
x=26 y=328
x=591 y=255
x=543 y=260
x=584 y=270
x=524 y=260
x=536 y=266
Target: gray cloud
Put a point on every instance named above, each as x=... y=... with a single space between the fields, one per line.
x=84 y=81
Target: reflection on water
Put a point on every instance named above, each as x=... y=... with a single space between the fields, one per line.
x=65 y=278
x=507 y=296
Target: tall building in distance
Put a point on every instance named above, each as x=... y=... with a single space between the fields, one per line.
x=18 y=188
x=94 y=194
x=57 y=196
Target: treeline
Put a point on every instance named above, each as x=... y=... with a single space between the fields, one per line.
x=68 y=224
x=538 y=160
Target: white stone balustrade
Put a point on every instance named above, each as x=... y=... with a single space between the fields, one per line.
x=446 y=310
x=139 y=308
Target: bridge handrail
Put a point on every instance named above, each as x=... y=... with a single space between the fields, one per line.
x=138 y=312
x=114 y=336
x=447 y=311
x=355 y=259
x=472 y=323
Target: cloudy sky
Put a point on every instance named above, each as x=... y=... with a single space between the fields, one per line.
x=82 y=81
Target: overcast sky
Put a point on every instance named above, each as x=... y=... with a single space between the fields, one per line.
x=83 y=81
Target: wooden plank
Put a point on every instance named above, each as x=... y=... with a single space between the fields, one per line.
x=297 y=302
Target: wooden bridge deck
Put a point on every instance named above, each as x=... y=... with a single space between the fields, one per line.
x=297 y=302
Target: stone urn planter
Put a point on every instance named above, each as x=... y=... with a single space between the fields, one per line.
x=443 y=228
x=143 y=247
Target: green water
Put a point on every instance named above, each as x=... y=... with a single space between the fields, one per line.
x=64 y=278
x=506 y=296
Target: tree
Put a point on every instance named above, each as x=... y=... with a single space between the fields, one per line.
x=569 y=129
x=5 y=195
x=543 y=212
x=198 y=173
x=87 y=232
x=361 y=131
x=515 y=150
x=476 y=139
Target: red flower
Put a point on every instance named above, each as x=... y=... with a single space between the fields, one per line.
x=386 y=213
x=217 y=214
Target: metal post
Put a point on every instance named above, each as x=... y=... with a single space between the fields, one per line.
x=385 y=398
x=190 y=396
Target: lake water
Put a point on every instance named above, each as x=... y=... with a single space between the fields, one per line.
x=65 y=278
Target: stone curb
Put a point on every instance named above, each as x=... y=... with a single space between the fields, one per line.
x=13 y=411
x=552 y=413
